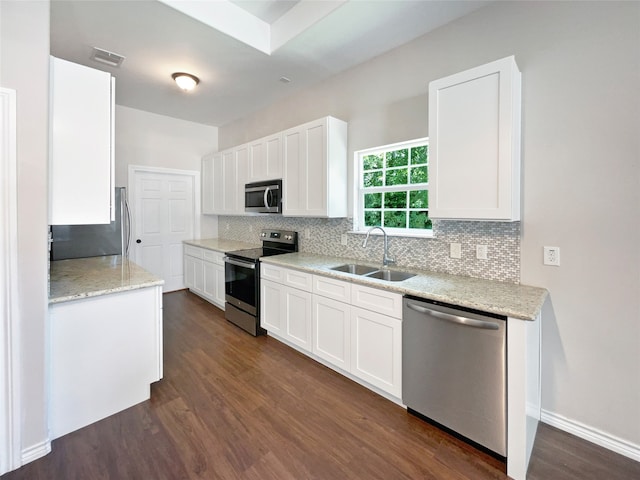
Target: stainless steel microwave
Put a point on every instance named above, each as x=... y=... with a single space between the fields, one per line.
x=263 y=197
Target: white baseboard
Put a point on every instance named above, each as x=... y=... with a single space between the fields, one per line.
x=606 y=440
x=35 y=451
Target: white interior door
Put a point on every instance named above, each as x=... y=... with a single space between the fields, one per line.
x=164 y=210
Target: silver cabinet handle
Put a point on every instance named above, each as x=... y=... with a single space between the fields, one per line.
x=469 y=322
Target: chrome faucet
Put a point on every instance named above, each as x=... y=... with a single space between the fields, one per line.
x=386 y=259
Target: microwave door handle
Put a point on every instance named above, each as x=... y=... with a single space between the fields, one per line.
x=267 y=192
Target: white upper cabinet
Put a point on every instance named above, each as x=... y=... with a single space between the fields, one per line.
x=265 y=159
x=315 y=169
x=223 y=177
x=474 y=143
x=81 y=160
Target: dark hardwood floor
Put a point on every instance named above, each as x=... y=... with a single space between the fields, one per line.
x=231 y=406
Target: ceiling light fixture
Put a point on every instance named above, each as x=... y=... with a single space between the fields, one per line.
x=185 y=81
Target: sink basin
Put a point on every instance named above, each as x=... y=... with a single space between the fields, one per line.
x=390 y=275
x=355 y=269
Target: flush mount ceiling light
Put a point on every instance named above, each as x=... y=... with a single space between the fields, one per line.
x=185 y=81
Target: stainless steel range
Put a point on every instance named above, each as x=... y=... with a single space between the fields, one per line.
x=242 y=278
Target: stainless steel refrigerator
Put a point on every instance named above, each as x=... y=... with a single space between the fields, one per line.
x=81 y=241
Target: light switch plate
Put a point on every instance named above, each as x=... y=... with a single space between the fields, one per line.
x=455 y=250
x=481 y=252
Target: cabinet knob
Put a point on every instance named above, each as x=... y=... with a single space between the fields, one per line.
x=138 y=241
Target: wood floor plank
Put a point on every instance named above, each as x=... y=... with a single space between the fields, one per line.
x=232 y=406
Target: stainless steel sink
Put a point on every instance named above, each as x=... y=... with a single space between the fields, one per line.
x=390 y=275
x=355 y=269
x=373 y=272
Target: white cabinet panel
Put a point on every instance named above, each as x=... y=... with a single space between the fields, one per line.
x=204 y=273
x=271 y=314
x=81 y=158
x=298 y=323
x=265 y=159
x=315 y=169
x=332 y=331
x=474 y=143
x=376 y=350
x=377 y=300
x=105 y=352
x=332 y=288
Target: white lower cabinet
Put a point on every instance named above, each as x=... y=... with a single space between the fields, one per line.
x=332 y=331
x=355 y=329
x=376 y=350
x=204 y=273
x=285 y=305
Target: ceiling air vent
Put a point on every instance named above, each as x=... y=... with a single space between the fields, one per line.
x=109 y=58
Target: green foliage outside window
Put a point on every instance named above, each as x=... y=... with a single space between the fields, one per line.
x=390 y=205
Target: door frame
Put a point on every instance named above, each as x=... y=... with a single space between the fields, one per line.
x=10 y=365
x=193 y=174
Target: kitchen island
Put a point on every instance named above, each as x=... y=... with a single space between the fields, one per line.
x=105 y=330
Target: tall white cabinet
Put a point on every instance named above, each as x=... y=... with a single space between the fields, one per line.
x=315 y=169
x=474 y=143
x=81 y=166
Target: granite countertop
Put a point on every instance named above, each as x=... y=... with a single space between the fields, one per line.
x=221 y=245
x=79 y=278
x=509 y=299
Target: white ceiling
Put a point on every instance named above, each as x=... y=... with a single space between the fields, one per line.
x=308 y=41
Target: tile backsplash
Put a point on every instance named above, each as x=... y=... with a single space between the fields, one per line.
x=324 y=237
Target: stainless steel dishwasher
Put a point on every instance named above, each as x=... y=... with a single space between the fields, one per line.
x=454 y=370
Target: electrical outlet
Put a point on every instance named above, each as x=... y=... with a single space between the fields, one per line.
x=343 y=239
x=455 y=250
x=552 y=256
x=307 y=233
x=481 y=252
x=226 y=226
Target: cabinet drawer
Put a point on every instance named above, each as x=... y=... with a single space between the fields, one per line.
x=286 y=276
x=377 y=300
x=193 y=251
x=213 y=256
x=332 y=288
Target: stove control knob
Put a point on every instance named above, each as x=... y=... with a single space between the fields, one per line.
x=263 y=234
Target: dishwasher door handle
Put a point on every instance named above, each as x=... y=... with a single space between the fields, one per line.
x=469 y=322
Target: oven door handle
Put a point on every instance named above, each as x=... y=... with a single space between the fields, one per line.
x=239 y=263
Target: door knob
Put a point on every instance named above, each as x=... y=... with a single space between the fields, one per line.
x=138 y=241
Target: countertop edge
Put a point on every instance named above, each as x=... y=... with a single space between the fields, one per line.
x=538 y=294
x=100 y=293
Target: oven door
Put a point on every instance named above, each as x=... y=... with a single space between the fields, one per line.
x=241 y=284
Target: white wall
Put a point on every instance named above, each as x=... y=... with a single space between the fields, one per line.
x=24 y=67
x=580 y=64
x=148 y=139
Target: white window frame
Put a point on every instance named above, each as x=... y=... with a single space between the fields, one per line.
x=359 y=191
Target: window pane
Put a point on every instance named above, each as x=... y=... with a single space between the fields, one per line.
x=395 y=200
x=419 y=199
x=419 y=175
x=372 y=218
x=396 y=177
x=419 y=220
x=372 y=179
x=397 y=158
x=419 y=155
x=395 y=219
x=372 y=200
x=370 y=162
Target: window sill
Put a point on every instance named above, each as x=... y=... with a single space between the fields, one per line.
x=395 y=234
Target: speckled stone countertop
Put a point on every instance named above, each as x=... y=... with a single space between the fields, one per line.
x=79 y=278
x=512 y=300
x=221 y=245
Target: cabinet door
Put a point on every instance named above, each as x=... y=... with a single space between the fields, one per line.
x=191 y=266
x=265 y=159
x=229 y=183
x=376 y=350
x=332 y=331
x=298 y=324
x=242 y=165
x=209 y=280
x=474 y=143
x=218 y=297
x=80 y=169
x=315 y=154
x=271 y=313
x=207 y=180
